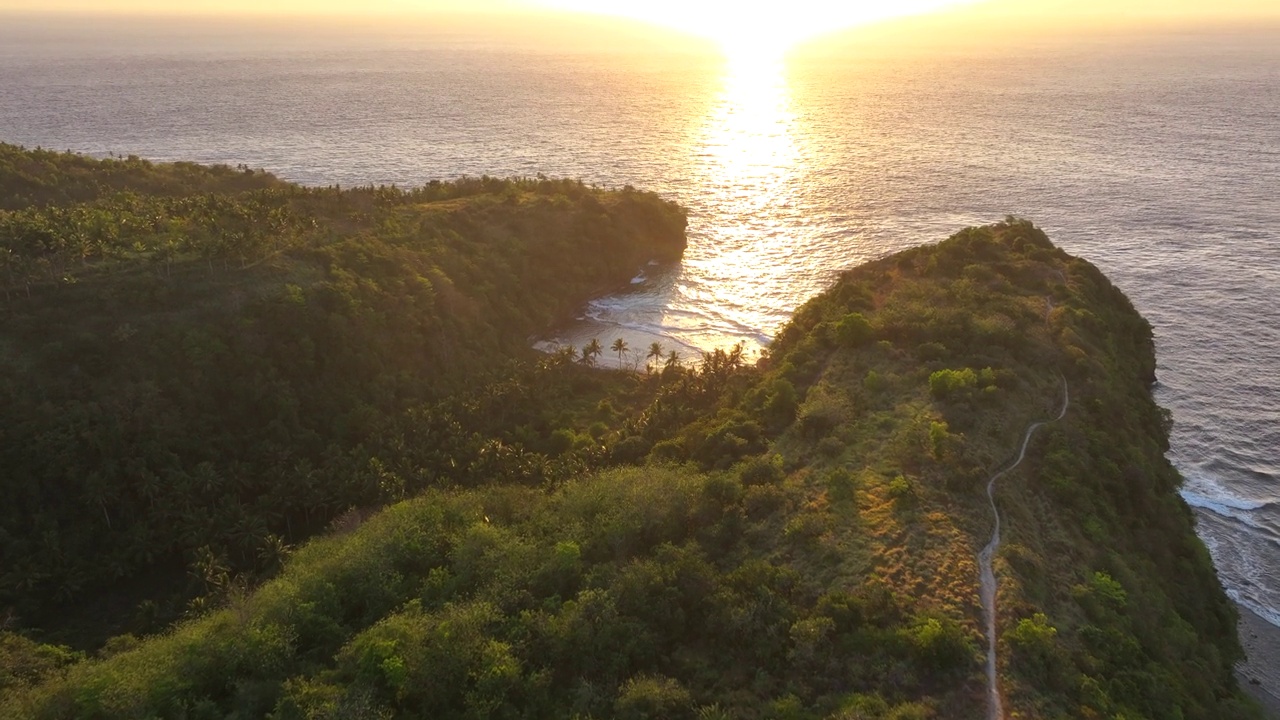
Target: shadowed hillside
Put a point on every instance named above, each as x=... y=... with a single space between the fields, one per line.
x=191 y=381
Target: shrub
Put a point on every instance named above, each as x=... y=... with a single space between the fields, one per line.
x=874 y=382
x=841 y=485
x=560 y=442
x=806 y=527
x=860 y=706
x=631 y=450
x=1104 y=592
x=762 y=501
x=820 y=415
x=939 y=643
x=1035 y=643
x=900 y=489
x=24 y=661
x=910 y=711
x=931 y=351
x=946 y=384
x=780 y=407
x=668 y=451
x=1034 y=633
x=653 y=697
x=762 y=470
x=939 y=435
x=830 y=447
x=787 y=707
x=854 y=330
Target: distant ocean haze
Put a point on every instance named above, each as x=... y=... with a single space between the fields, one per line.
x=1157 y=157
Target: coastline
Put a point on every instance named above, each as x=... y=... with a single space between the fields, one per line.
x=1259 y=672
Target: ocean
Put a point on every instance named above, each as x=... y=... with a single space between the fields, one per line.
x=1155 y=156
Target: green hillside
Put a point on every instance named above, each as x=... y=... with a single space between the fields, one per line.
x=191 y=382
x=44 y=178
x=791 y=539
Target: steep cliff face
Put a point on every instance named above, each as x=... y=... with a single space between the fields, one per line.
x=795 y=539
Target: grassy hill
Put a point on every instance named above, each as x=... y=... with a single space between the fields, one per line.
x=792 y=539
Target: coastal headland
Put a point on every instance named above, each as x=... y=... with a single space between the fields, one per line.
x=283 y=451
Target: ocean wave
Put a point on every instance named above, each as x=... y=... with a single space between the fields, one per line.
x=623 y=312
x=1240 y=557
x=1257 y=520
x=1223 y=488
x=1246 y=518
x=610 y=325
x=1250 y=456
x=1224 y=504
x=1243 y=533
x=1257 y=607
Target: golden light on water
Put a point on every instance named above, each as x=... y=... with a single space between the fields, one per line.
x=749 y=140
x=749 y=158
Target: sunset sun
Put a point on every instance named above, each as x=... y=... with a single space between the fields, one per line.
x=757 y=29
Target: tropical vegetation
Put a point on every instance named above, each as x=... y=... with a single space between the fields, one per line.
x=319 y=474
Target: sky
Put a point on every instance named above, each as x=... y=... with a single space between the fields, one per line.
x=733 y=23
x=674 y=11
x=759 y=25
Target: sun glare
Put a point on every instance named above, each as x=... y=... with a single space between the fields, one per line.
x=766 y=30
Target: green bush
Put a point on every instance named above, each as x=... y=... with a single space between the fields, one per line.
x=854 y=330
x=653 y=697
x=1036 y=647
x=940 y=643
x=949 y=384
x=24 y=661
x=874 y=382
x=762 y=470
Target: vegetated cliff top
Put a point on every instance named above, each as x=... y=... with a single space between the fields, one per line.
x=43 y=177
x=792 y=539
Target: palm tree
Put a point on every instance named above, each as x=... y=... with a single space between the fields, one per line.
x=566 y=355
x=619 y=346
x=673 y=359
x=655 y=353
x=591 y=351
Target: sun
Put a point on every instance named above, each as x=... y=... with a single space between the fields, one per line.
x=749 y=28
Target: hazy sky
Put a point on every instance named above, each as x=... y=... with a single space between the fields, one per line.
x=671 y=9
x=747 y=23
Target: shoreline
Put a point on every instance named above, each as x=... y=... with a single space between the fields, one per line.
x=1259 y=672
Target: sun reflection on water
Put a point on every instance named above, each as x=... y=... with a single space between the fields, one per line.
x=747 y=170
x=750 y=150
x=745 y=256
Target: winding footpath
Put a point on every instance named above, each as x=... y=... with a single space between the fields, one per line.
x=987 y=575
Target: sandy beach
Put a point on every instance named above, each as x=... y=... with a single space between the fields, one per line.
x=1260 y=672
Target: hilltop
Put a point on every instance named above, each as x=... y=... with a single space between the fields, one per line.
x=796 y=538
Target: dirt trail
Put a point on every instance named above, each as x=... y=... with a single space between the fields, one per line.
x=987 y=575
